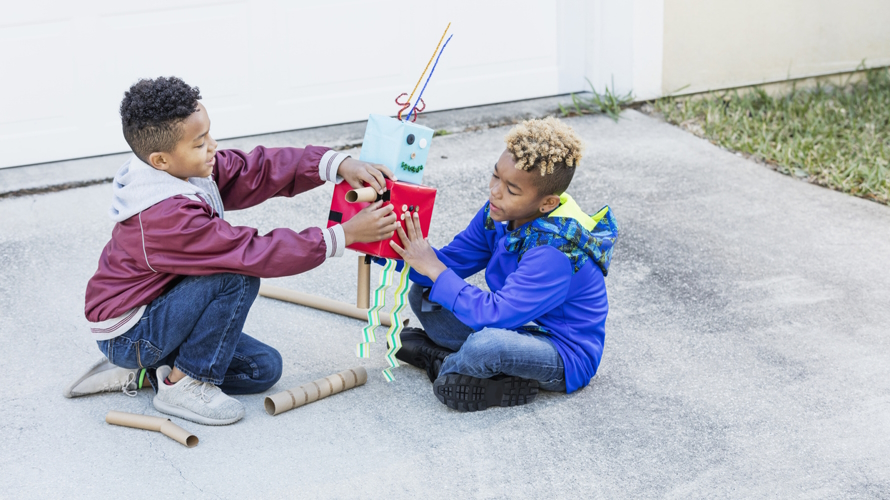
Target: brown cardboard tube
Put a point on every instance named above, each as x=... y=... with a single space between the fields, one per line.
x=313 y=391
x=361 y=195
x=157 y=424
x=324 y=304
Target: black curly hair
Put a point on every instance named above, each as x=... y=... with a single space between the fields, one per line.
x=152 y=112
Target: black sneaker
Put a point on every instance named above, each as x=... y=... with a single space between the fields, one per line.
x=466 y=393
x=418 y=350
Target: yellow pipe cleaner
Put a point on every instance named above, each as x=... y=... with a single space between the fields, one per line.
x=428 y=64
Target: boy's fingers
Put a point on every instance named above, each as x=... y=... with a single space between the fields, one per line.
x=417 y=228
x=397 y=248
x=403 y=236
x=378 y=177
x=383 y=212
x=383 y=169
x=414 y=228
x=387 y=216
x=409 y=225
x=390 y=228
x=375 y=179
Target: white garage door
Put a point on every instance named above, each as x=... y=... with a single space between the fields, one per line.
x=273 y=65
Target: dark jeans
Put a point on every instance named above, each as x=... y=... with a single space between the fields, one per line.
x=490 y=351
x=196 y=326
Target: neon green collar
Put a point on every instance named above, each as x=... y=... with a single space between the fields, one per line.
x=568 y=208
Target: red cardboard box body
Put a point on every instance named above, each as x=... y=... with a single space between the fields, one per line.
x=400 y=194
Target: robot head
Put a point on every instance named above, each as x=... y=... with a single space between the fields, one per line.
x=401 y=146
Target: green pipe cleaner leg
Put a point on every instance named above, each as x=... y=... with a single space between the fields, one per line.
x=363 y=350
x=392 y=335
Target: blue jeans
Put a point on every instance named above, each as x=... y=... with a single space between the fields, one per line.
x=490 y=351
x=196 y=326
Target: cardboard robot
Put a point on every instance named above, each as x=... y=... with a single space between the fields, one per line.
x=403 y=147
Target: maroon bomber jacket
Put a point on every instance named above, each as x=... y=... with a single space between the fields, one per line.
x=185 y=235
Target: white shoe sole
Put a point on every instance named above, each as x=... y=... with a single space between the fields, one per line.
x=187 y=414
x=69 y=391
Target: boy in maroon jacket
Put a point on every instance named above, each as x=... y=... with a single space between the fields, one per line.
x=176 y=281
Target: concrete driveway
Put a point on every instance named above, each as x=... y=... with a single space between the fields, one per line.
x=747 y=351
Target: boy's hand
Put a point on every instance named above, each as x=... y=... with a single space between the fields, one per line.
x=373 y=223
x=417 y=252
x=357 y=172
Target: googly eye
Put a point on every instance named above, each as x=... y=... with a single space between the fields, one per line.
x=422 y=143
x=411 y=139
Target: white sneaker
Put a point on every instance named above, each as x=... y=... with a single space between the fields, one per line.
x=199 y=402
x=105 y=377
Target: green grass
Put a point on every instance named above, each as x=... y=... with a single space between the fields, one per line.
x=608 y=103
x=837 y=136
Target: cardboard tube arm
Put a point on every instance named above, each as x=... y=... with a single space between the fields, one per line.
x=156 y=424
x=313 y=391
x=324 y=304
x=361 y=195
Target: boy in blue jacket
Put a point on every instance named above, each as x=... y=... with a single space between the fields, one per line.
x=542 y=324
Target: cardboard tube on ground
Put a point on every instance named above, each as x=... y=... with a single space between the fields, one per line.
x=313 y=391
x=361 y=195
x=329 y=305
x=157 y=424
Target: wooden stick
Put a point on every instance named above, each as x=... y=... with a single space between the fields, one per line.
x=321 y=303
x=363 y=294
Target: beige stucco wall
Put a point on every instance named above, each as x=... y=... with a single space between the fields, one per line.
x=714 y=44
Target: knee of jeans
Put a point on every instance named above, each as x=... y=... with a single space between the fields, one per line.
x=484 y=348
x=270 y=371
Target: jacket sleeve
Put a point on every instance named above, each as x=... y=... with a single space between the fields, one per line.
x=539 y=284
x=248 y=179
x=179 y=236
x=467 y=254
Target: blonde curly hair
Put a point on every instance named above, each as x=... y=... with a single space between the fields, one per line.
x=551 y=147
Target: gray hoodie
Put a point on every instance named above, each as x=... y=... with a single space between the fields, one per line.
x=138 y=185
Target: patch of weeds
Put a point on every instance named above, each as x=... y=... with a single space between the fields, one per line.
x=54 y=188
x=837 y=136
x=609 y=103
x=441 y=131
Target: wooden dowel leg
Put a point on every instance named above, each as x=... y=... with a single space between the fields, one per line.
x=363 y=294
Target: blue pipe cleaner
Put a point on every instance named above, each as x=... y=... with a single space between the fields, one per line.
x=428 y=78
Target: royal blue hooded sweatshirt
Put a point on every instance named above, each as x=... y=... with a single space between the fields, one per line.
x=545 y=276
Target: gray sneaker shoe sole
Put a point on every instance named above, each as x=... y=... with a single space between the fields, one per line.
x=69 y=391
x=187 y=414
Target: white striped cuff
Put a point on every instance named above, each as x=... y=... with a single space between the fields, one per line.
x=334 y=241
x=329 y=164
x=112 y=327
